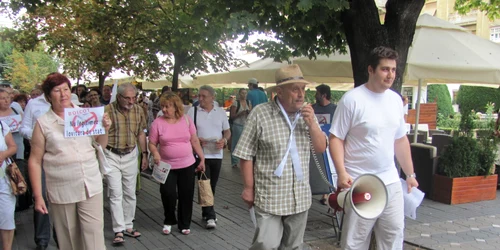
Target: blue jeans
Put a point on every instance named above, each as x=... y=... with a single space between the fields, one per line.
x=236 y=131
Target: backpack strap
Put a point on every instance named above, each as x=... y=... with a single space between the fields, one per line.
x=15 y=111
x=237 y=106
x=195 y=114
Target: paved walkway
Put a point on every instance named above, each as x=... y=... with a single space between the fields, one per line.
x=438 y=226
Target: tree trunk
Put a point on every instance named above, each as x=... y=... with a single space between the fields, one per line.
x=364 y=32
x=175 y=76
x=102 y=77
x=179 y=61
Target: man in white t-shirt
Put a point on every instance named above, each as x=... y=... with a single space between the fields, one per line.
x=368 y=129
x=212 y=127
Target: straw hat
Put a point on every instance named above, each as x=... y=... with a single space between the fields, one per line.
x=287 y=75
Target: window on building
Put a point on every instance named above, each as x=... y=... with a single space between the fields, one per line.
x=495 y=34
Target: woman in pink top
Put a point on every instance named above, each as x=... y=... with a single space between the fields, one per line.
x=172 y=139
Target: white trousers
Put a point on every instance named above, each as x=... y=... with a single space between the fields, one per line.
x=388 y=228
x=122 y=180
x=279 y=232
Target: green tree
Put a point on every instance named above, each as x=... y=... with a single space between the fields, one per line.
x=148 y=38
x=5 y=50
x=312 y=27
x=491 y=7
x=476 y=98
x=29 y=68
x=192 y=35
x=92 y=37
x=439 y=93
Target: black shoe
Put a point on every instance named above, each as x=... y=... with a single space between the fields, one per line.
x=41 y=247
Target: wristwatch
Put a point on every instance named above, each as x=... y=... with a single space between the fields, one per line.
x=145 y=152
x=225 y=141
x=412 y=175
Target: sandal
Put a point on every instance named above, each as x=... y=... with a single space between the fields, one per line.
x=167 y=229
x=118 y=240
x=185 y=231
x=134 y=233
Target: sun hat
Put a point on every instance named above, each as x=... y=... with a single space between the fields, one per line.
x=287 y=75
x=75 y=101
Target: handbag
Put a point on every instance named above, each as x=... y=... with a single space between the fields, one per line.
x=205 y=195
x=17 y=181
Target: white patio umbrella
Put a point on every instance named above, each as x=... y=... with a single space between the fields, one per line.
x=264 y=71
x=441 y=52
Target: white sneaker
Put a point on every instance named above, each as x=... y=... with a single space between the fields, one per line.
x=211 y=224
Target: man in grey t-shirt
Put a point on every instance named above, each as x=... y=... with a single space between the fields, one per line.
x=324 y=110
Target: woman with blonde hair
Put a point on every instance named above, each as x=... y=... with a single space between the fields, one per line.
x=172 y=139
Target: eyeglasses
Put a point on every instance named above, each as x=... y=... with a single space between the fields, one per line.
x=129 y=99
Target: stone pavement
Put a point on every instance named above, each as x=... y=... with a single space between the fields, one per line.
x=465 y=226
x=438 y=226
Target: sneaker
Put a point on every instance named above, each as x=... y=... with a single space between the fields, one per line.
x=211 y=224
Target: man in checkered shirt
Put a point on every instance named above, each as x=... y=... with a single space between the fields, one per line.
x=277 y=184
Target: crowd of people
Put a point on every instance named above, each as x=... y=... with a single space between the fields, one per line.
x=270 y=140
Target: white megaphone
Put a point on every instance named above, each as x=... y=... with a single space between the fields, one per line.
x=367 y=197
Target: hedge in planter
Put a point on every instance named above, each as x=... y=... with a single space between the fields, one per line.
x=464 y=169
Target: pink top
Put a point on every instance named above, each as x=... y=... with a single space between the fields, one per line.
x=174 y=141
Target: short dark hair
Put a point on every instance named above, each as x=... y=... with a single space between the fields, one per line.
x=21 y=97
x=381 y=52
x=165 y=89
x=324 y=90
x=53 y=80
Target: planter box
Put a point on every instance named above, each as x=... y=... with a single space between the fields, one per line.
x=464 y=189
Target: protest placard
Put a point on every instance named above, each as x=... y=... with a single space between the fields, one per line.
x=14 y=122
x=83 y=122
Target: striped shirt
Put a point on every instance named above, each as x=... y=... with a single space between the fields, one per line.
x=125 y=127
x=266 y=135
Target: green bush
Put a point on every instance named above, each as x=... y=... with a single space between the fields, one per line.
x=461 y=158
x=439 y=93
x=476 y=98
x=450 y=122
x=336 y=95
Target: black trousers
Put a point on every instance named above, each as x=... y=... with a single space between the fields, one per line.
x=42 y=221
x=179 y=186
x=212 y=170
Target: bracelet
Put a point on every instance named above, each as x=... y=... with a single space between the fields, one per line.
x=225 y=141
x=412 y=175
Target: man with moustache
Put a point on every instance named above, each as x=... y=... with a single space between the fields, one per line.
x=368 y=129
x=278 y=134
x=128 y=124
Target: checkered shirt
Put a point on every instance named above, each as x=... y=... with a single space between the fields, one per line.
x=266 y=135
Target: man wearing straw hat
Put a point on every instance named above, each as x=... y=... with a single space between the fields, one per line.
x=278 y=134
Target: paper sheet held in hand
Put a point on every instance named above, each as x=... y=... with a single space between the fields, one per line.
x=412 y=200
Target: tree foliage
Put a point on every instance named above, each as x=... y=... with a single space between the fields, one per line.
x=92 y=37
x=28 y=68
x=312 y=27
x=148 y=38
x=491 y=7
x=192 y=35
x=476 y=98
x=439 y=93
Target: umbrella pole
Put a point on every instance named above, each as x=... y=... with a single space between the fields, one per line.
x=417 y=117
